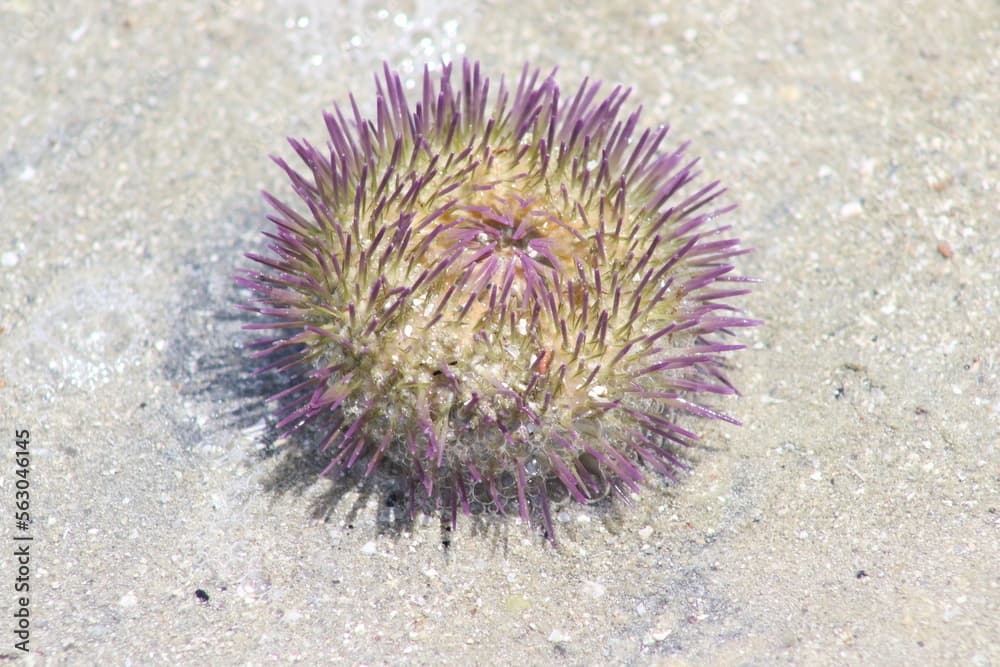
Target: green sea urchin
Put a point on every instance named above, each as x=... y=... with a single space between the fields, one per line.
x=508 y=295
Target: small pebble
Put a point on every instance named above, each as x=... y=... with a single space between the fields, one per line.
x=559 y=636
x=851 y=209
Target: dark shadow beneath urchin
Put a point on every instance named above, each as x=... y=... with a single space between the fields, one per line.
x=399 y=512
x=205 y=359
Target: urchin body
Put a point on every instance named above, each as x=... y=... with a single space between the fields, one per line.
x=504 y=292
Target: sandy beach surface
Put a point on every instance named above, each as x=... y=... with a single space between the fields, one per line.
x=854 y=519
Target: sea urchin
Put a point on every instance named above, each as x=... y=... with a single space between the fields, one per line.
x=508 y=295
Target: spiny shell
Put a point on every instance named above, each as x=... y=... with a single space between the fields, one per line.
x=511 y=295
